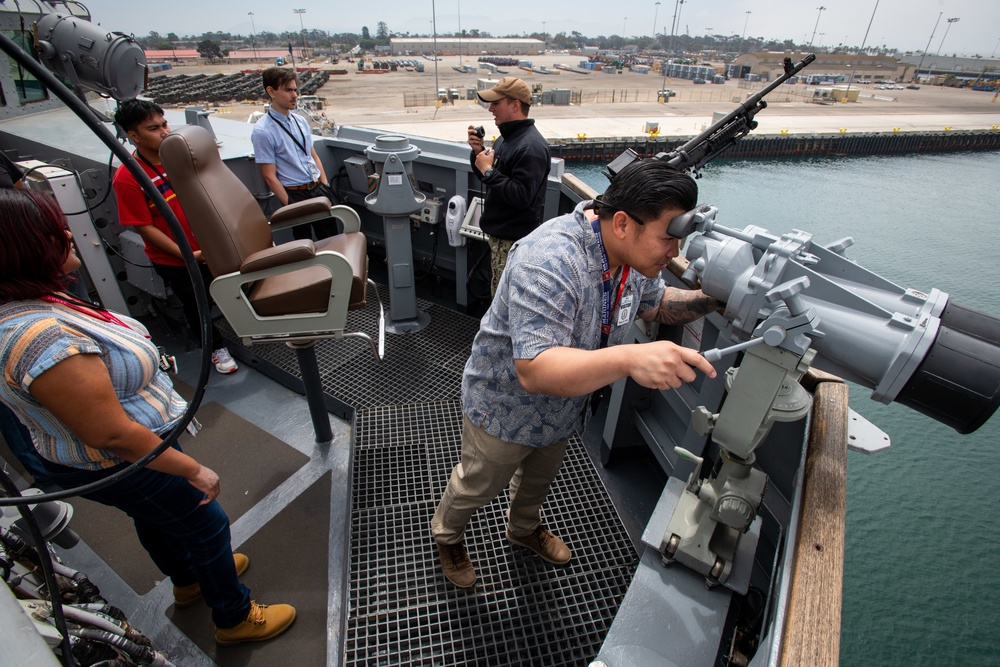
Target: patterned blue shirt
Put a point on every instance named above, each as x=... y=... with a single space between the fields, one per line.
x=549 y=296
x=291 y=155
x=36 y=335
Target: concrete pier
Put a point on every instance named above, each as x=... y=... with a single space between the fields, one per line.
x=381 y=102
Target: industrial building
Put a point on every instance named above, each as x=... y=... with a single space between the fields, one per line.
x=468 y=46
x=933 y=66
x=837 y=65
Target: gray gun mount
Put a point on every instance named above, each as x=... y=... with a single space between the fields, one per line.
x=909 y=346
x=792 y=304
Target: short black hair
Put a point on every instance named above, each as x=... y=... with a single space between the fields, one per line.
x=276 y=77
x=132 y=113
x=646 y=188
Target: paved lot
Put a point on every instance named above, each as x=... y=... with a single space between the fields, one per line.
x=378 y=101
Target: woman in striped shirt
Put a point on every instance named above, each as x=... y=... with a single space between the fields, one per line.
x=87 y=384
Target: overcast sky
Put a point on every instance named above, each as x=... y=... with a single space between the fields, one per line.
x=902 y=24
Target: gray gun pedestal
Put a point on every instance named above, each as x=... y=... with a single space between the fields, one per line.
x=395 y=199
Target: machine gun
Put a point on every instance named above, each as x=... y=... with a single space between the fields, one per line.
x=717 y=139
x=791 y=305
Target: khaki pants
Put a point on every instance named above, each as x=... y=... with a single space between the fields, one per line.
x=487 y=465
x=499 y=249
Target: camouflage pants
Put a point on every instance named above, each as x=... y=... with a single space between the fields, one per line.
x=498 y=259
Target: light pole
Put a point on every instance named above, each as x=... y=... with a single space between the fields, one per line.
x=300 y=12
x=673 y=23
x=624 y=20
x=821 y=35
x=656 y=13
x=743 y=40
x=544 y=34
x=816 y=27
x=861 y=51
x=947 y=28
x=253 y=34
x=460 y=63
x=916 y=72
x=437 y=93
x=680 y=7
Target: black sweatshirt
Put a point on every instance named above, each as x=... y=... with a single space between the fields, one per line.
x=515 y=191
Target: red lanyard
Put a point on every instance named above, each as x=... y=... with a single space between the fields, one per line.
x=607 y=307
x=87 y=309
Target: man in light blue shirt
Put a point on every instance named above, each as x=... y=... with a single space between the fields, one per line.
x=283 y=148
x=552 y=336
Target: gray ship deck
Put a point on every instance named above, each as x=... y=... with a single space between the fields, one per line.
x=342 y=531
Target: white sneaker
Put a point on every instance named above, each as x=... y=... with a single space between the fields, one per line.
x=223 y=362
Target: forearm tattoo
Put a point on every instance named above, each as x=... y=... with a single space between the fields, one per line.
x=679 y=306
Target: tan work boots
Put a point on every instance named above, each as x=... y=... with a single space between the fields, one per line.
x=456 y=564
x=545 y=544
x=262 y=623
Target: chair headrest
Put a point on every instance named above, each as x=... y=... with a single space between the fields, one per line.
x=223 y=214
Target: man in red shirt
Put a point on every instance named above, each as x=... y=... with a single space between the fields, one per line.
x=146 y=127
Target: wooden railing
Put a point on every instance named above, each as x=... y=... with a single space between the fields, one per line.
x=811 y=634
x=578 y=187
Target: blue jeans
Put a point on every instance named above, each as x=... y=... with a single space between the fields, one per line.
x=188 y=542
x=178 y=280
x=19 y=441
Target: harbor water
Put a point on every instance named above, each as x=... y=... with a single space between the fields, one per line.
x=921 y=584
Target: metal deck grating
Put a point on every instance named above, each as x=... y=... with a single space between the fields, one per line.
x=522 y=611
x=433 y=422
x=423 y=366
x=402 y=611
x=391 y=476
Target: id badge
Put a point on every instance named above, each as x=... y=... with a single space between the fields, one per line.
x=168 y=363
x=625 y=309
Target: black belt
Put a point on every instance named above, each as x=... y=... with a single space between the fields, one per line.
x=307 y=186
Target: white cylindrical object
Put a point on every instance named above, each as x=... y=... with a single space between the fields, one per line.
x=453 y=220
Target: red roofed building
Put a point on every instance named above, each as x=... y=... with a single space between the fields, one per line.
x=268 y=54
x=171 y=54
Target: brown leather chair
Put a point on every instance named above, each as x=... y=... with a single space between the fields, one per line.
x=294 y=292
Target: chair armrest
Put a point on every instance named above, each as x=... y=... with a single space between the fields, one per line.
x=314 y=210
x=348 y=216
x=293 y=251
x=317 y=206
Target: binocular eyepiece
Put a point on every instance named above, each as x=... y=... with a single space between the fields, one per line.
x=480 y=131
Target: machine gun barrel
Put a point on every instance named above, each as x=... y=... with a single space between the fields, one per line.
x=700 y=150
x=723 y=133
